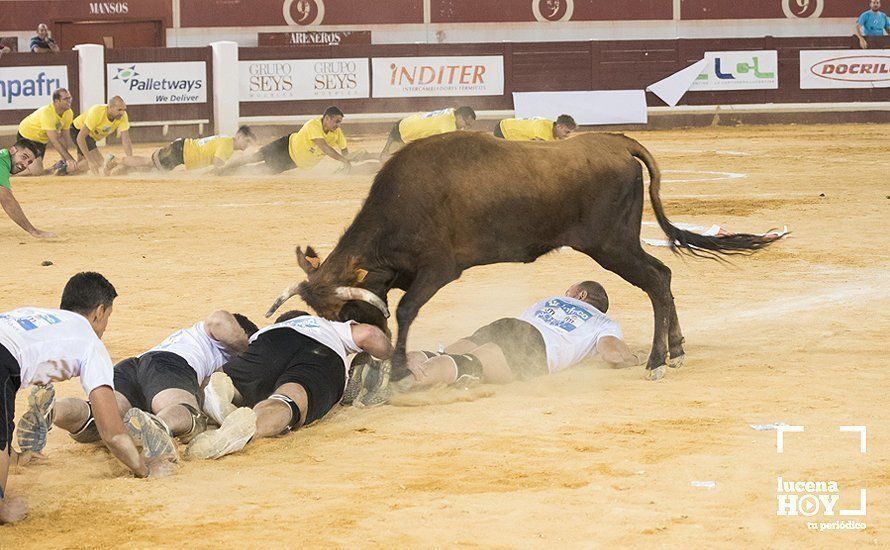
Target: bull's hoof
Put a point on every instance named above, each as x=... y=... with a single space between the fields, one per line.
x=656 y=373
x=677 y=362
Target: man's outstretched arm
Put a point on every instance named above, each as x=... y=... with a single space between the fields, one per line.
x=615 y=352
x=111 y=429
x=14 y=210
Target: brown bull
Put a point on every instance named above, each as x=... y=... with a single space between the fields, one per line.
x=451 y=202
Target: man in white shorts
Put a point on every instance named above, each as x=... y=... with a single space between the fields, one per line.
x=292 y=374
x=42 y=345
x=552 y=335
x=165 y=381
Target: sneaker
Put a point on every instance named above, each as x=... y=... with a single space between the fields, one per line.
x=466 y=381
x=357 y=371
x=376 y=389
x=235 y=432
x=110 y=163
x=38 y=419
x=151 y=433
x=218 y=397
x=60 y=168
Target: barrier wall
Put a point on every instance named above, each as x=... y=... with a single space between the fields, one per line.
x=201 y=22
x=69 y=60
x=174 y=107
x=569 y=66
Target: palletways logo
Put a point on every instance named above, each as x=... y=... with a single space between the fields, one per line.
x=854 y=68
x=136 y=81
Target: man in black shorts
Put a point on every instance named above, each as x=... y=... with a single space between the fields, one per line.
x=166 y=381
x=292 y=374
x=316 y=139
x=550 y=336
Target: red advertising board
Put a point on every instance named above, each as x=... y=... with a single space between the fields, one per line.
x=771 y=9
x=21 y=16
x=511 y=11
x=255 y=13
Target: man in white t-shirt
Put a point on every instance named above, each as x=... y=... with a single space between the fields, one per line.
x=39 y=346
x=166 y=381
x=292 y=374
x=548 y=337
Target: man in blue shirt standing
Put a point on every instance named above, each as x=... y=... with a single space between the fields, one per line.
x=872 y=22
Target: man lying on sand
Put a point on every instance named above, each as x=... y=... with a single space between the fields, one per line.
x=293 y=373
x=552 y=335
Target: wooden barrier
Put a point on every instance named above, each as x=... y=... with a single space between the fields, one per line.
x=569 y=66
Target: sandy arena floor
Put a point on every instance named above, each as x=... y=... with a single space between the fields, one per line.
x=591 y=457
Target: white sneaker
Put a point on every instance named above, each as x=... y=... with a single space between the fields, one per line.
x=218 y=396
x=238 y=428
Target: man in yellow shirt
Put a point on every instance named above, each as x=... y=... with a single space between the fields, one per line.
x=318 y=138
x=97 y=123
x=195 y=154
x=421 y=125
x=535 y=129
x=50 y=124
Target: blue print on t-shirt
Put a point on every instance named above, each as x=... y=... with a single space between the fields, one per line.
x=303 y=322
x=564 y=315
x=33 y=321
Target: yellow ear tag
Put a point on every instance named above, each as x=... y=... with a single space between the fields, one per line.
x=313 y=261
x=362 y=273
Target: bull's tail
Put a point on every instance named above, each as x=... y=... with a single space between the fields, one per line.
x=687 y=241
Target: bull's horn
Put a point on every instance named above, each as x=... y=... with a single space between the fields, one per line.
x=283 y=297
x=354 y=293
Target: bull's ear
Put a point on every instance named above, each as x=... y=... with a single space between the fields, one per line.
x=360 y=275
x=308 y=261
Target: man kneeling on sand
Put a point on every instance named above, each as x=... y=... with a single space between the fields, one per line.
x=292 y=374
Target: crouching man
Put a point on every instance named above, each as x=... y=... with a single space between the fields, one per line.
x=161 y=390
x=292 y=374
x=41 y=345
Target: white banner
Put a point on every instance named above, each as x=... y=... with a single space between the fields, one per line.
x=754 y=70
x=844 y=69
x=158 y=83
x=290 y=79
x=588 y=108
x=438 y=76
x=30 y=87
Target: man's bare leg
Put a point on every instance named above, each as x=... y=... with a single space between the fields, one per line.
x=179 y=410
x=72 y=414
x=275 y=417
x=444 y=369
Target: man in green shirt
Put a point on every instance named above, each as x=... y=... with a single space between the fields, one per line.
x=12 y=161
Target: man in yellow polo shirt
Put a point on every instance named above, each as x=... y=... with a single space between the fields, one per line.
x=97 y=123
x=49 y=125
x=212 y=151
x=535 y=129
x=318 y=138
x=423 y=125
